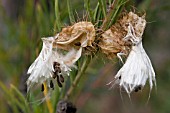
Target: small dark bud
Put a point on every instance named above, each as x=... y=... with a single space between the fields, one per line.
x=65 y=107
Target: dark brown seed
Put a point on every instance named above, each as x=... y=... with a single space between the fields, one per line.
x=51 y=84
x=59 y=71
x=58 y=68
x=77 y=44
x=59 y=84
x=58 y=81
x=56 y=71
x=56 y=64
x=54 y=75
x=42 y=87
x=119 y=77
x=62 y=78
x=137 y=88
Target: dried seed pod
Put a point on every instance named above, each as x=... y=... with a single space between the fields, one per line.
x=43 y=69
x=112 y=41
x=136 y=21
x=80 y=34
x=138 y=68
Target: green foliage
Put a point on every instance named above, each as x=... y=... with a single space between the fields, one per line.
x=20 y=43
x=15 y=99
x=36 y=20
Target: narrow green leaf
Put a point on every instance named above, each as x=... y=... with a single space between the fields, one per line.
x=70 y=12
x=102 y=4
x=8 y=96
x=112 y=15
x=110 y=2
x=88 y=9
x=5 y=89
x=21 y=98
x=57 y=15
x=56 y=98
x=97 y=15
x=95 y=12
x=117 y=12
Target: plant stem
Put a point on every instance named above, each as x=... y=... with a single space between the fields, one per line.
x=57 y=15
x=77 y=79
x=115 y=9
x=109 y=15
x=70 y=12
x=48 y=102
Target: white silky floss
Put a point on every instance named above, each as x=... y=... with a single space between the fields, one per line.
x=42 y=68
x=137 y=68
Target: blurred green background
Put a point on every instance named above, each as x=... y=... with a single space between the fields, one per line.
x=24 y=22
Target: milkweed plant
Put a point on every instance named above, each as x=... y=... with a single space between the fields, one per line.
x=109 y=29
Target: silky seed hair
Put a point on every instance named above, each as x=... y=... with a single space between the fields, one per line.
x=138 y=68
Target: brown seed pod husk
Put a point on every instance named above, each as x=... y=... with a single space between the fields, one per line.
x=112 y=41
x=81 y=34
x=136 y=21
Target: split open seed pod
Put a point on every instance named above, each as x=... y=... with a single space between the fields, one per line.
x=72 y=39
x=125 y=38
x=112 y=41
x=81 y=34
x=136 y=21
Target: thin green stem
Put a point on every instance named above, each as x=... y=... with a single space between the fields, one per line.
x=57 y=15
x=109 y=15
x=79 y=75
x=115 y=9
x=102 y=4
x=88 y=9
x=70 y=12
